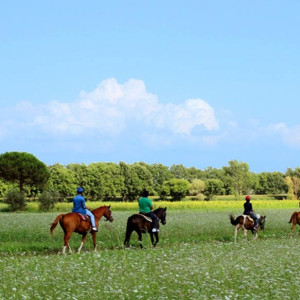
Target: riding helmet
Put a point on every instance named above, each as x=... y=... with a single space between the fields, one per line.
x=79 y=190
x=248 y=198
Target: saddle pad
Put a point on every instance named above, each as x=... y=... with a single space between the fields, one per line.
x=83 y=217
x=147 y=218
x=247 y=216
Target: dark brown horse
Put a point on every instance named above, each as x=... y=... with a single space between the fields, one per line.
x=141 y=224
x=247 y=223
x=295 y=219
x=72 y=222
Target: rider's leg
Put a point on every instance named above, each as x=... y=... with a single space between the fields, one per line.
x=254 y=217
x=92 y=218
x=154 y=220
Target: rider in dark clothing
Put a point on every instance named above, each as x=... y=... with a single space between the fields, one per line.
x=248 y=210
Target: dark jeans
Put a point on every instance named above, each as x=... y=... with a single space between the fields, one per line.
x=154 y=218
x=254 y=217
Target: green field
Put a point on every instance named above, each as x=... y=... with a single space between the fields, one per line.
x=196 y=258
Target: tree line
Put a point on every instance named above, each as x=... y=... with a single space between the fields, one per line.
x=125 y=182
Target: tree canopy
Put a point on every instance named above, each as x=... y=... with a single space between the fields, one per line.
x=111 y=181
x=23 y=168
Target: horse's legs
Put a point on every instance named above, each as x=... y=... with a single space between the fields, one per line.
x=127 y=237
x=235 y=232
x=82 y=242
x=94 y=240
x=152 y=239
x=140 y=238
x=245 y=233
x=156 y=238
x=255 y=236
x=66 y=242
x=293 y=227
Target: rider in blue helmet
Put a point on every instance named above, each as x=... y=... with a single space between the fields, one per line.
x=79 y=207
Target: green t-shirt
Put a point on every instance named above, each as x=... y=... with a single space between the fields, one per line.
x=145 y=204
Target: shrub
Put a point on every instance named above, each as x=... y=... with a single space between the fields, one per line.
x=176 y=188
x=199 y=197
x=196 y=187
x=48 y=199
x=15 y=199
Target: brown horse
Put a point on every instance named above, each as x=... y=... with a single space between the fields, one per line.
x=72 y=222
x=295 y=219
x=247 y=223
x=142 y=224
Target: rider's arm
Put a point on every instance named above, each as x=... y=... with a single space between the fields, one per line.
x=83 y=204
x=150 y=204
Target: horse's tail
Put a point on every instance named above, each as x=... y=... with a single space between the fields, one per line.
x=54 y=224
x=233 y=221
x=293 y=218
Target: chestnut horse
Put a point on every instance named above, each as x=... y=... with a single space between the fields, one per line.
x=143 y=224
x=72 y=222
x=247 y=223
x=295 y=219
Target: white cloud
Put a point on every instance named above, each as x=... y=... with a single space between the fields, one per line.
x=113 y=108
x=289 y=135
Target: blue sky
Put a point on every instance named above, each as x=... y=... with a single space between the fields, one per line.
x=197 y=83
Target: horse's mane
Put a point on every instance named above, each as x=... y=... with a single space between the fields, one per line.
x=100 y=208
x=158 y=209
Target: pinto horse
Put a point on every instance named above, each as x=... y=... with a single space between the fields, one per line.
x=247 y=223
x=295 y=219
x=143 y=224
x=73 y=222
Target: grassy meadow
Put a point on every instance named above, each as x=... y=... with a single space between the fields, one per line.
x=195 y=258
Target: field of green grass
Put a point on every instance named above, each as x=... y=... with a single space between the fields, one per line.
x=195 y=258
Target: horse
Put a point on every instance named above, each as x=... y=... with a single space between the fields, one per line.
x=143 y=224
x=247 y=223
x=295 y=219
x=73 y=222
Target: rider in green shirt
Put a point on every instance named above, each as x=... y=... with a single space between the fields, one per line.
x=145 y=207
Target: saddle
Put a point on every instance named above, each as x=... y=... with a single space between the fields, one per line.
x=250 y=219
x=146 y=217
x=83 y=217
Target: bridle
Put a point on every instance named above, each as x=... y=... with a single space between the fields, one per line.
x=108 y=217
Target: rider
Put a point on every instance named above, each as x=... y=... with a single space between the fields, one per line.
x=79 y=207
x=145 y=207
x=248 y=210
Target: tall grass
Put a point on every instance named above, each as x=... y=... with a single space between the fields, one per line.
x=196 y=258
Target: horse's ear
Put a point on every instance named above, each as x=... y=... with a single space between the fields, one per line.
x=165 y=208
x=109 y=207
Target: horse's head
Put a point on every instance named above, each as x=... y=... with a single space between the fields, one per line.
x=161 y=214
x=108 y=215
x=262 y=221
